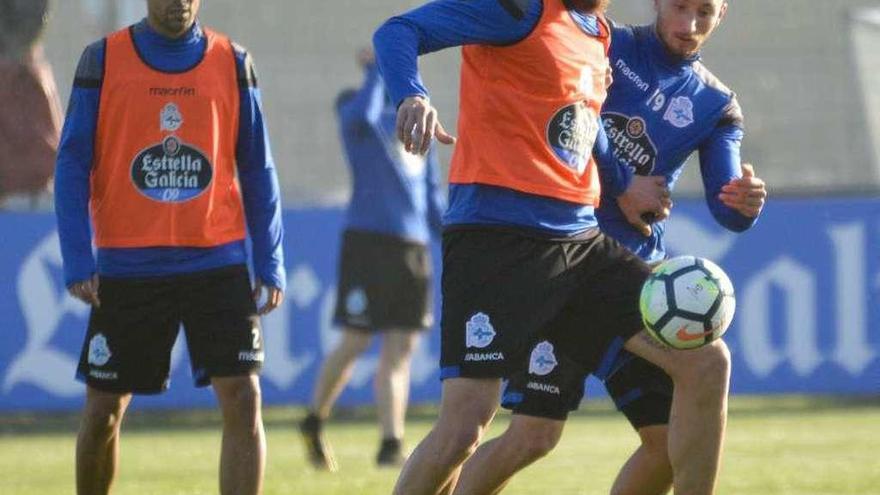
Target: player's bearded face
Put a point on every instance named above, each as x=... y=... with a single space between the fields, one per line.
x=172 y=17
x=685 y=25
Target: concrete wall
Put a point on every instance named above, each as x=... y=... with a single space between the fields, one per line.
x=793 y=64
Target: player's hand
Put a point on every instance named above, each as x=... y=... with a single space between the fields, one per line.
x=747 y=194
x=86 y=291
x=274 y=296
x=646 y=200
x=418 y=125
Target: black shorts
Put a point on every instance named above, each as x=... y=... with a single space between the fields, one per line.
x=128 y=343
x=539 y=312
x=384 y=283
x=641 y=390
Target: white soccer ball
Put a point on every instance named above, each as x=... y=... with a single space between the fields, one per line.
x=687 y=302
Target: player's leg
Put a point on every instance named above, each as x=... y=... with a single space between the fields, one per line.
x=699 y=408
x=336 y=371
x=392 y=392
x=490 y=314
x=467 y=407
x=647 y=471
x=243 y=450
x=541 y=395
x=643 y=393
x=354 y=315
x=97 y=445
x=127 y=349
x=334 y=375
x=226 y=350
x=493 y=465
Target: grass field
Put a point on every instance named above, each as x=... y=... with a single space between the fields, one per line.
x=790 y=446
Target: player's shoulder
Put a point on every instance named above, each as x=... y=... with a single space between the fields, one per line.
x=625 y=37
x=732 y=110
x=90 y=69
x=621 y=31
x=244 y=64
x=518 y=8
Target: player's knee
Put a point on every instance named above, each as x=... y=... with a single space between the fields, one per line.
x=540 y=444
x=240 y=399
x=708 y=366
x=459 y=443
x=354 y=343
x=103 y=417
x=655 y=441
x=537 y=440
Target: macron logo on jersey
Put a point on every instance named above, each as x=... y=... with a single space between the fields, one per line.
x=632 y=75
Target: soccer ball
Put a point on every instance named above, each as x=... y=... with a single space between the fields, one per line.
x=687 y=302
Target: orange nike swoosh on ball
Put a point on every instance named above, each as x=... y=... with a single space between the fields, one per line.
x=684 y=336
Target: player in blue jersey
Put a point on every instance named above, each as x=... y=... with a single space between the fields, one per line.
x=384 y=264
x=520 y=265
x=141 y=294
x=662 y=106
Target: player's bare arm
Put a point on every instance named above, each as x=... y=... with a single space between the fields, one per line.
x=418 y=125
x=746 y=194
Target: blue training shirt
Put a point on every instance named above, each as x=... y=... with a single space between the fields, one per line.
x=660 y=109
x=447 y=23
x=394 y=192
x=256 y=173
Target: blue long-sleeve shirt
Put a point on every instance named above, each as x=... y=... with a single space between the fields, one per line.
x=256 y=173
x=447 y=23
x=660 y=109
x=394 y=192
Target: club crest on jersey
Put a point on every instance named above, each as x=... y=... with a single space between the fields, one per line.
x=680 y=112
x=170 y=118
x=630 y=140
x=543 y=360
x=99 y=351
x=356 y=302
x=479 y=332
x=571 y=134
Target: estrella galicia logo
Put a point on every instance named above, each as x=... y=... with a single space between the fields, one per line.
x=543 y=360
x=171 y=171
x=571 y=134
x=630 y=140
x=479 y=332
x=99 y=351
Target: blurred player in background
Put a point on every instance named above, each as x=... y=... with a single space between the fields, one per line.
x=523 y=256
x=654 y=131
x=30 y=120
x=165 y=121
x=384 y=266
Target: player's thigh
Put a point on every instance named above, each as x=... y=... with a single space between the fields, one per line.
x=127 y=347
x=469 y=402
x=221 y=323
x=586 y=335
x=399 y=344
x=603 y=314
x=641 y=391
x=711 y=361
